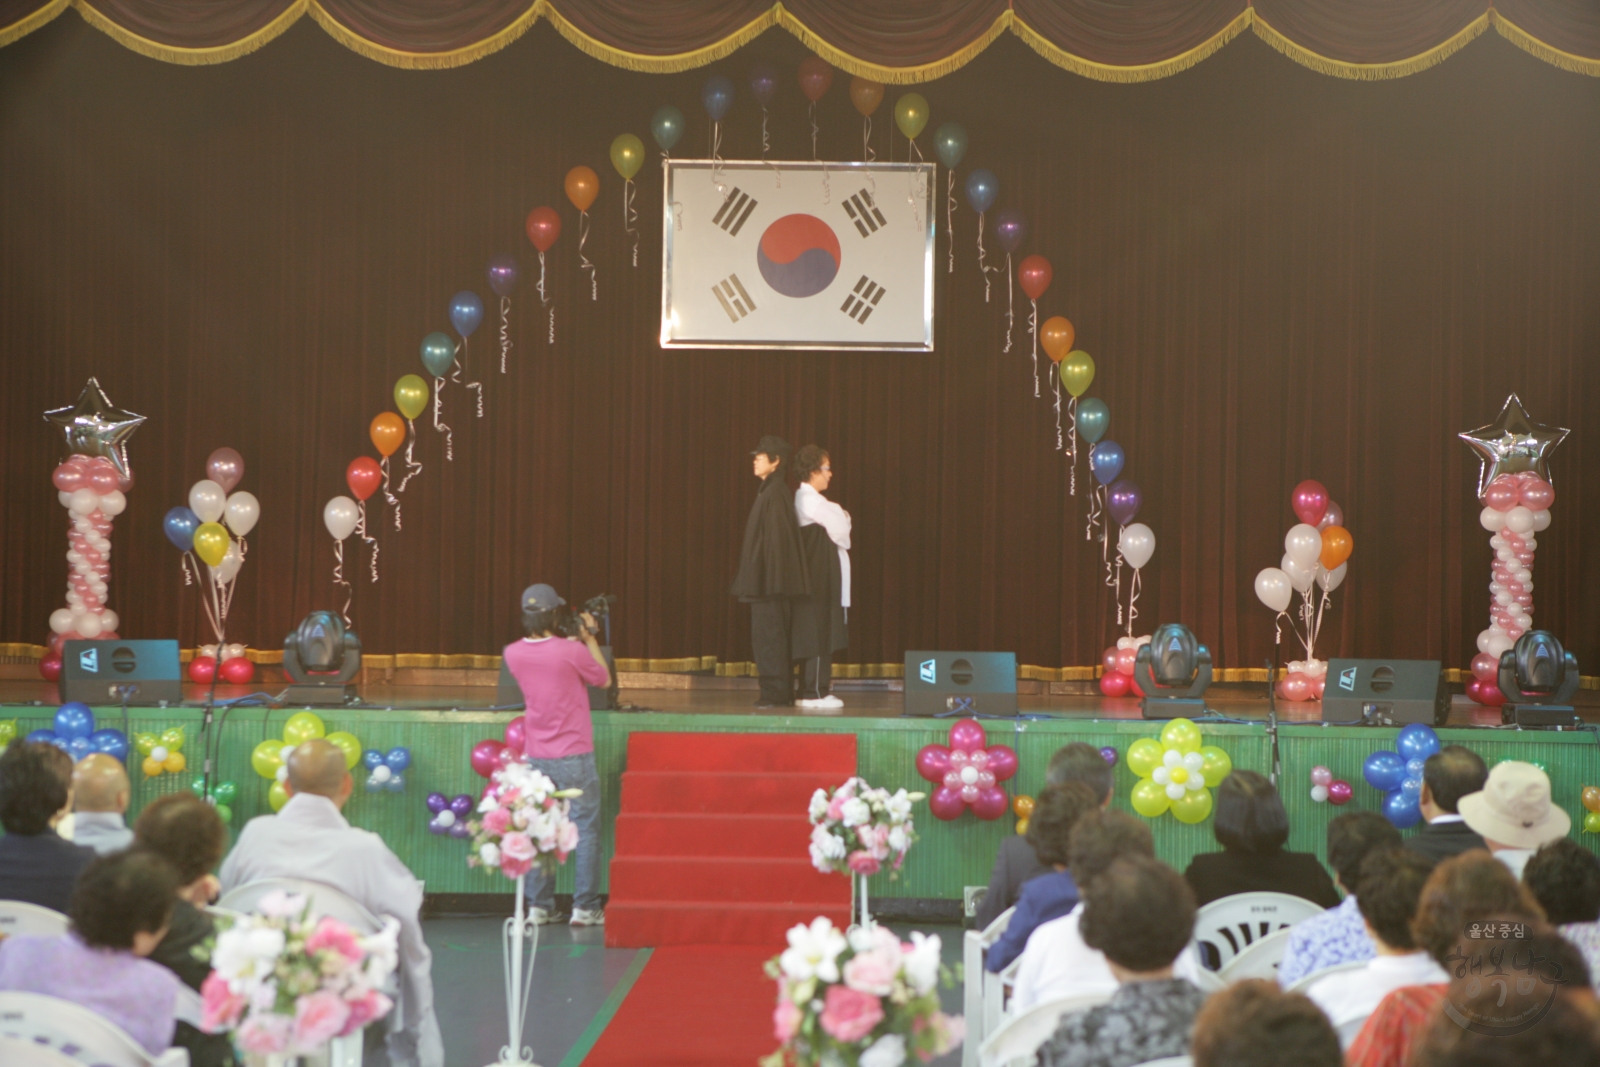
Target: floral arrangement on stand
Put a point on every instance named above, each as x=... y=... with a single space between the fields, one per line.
x=856 y=830
x=523 y=819
x=863 y=998
x=287 y=984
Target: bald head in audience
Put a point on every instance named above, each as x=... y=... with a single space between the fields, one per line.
x=99 y=783
x=318 y=767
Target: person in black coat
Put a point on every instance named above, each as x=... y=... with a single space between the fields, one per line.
x=37 y=865
x=1251 y=826
x=1448 y=775
x=772 y=573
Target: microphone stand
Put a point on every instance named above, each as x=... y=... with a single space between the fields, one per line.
x=1272 y=724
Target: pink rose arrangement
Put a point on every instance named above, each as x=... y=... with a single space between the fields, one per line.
x=864 y=998
x=861 y=830
x=523 y=819
x=285 y=984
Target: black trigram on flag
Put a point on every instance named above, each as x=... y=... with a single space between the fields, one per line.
x=734 y=300
x=862 y=299
x=734 y=211
x=864 y=213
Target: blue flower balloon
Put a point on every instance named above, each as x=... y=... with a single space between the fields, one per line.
x=79 y=747
x=1400 y=809
x=396 y=784
x=74 y=720
x=398 y=759
x=42 y=737
x=110 y=741
x=372 y=759
x=1384 y=771
x=1417 y=741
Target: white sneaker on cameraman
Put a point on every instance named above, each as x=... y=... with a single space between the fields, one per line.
x=585 y=917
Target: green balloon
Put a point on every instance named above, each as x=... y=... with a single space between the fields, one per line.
x=950 y=141
x=667 y=126
x=224 y=793
x=1094 y=419
x=226 y=813
x=438 y=353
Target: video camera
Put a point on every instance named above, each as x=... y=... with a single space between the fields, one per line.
x=569 y=624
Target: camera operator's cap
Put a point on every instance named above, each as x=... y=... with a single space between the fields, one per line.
x=540 y=597
x=1514 y=808
x=772 y=445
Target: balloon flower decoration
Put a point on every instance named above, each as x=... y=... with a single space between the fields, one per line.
x=450 y=814
x=163 y=753
x=1326 y=789
x=1398 y=775
x=223 y=794
x=74 y=734
x=1315 y=555
x=213 y=527
x=1591 y=808
x=968 y=773
x=490 y=755
x=8 y=733
x=269 y=759
x=1176 y=773
x=386 y=769
x=1514 y=486
x=1117 y=661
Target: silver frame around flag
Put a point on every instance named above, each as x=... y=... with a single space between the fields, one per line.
x=898 y=194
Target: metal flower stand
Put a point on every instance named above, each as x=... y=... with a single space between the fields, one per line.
x=520 y=936
x=859 y=915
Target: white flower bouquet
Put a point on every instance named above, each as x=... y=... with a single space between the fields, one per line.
x=865 y=998
x=523 y=819
x=857 y=829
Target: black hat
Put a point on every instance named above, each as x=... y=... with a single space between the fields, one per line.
x=540 y=597
x=772 y=445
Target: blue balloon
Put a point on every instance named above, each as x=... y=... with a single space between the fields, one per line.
x=667 y=126
x=372 y=759
x=74 y=720
x=1105 y=460
x=111 y=742
x=42 y=737
x=1384 y=771
x=398 y=759
x=60 y=742
x=717 y=96
x=374 y=787
x=1411 y=787
x=1401 y=810
x=396 y=784
x=1417 y=741
x=982 y=188
x=466 y=311
x=179 y=526
x=1415 y=767
x=79 y=747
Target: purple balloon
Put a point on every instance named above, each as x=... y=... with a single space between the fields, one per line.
x=437 y=802
x=1123 y=500
x=1109 y=754
x=459 y=830
x=462 y=805
x=503 y=274
x=434 y=827
x=1010 y=228
x=763 y=83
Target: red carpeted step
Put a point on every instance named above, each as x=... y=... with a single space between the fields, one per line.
x=833 y=754
x=641 y=924
x=709 y=879
x=732 y=792
x=748 y=836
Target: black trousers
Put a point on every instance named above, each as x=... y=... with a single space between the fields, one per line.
x=771 y=623
x=816 y=677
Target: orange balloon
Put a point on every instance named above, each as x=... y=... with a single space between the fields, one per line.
x=1022 y=806
x=388 y=433
x=583 y=185
x=1057 y=336
x=1591 y=797
x=1337 y=544
x=866 y=95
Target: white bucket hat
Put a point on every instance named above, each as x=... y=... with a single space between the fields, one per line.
x=1514 y=808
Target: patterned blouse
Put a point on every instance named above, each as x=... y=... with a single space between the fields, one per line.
x=1142 y=1021
x=1586 y=937
x=1338 y=935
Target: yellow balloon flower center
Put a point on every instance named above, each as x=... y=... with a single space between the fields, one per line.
x=1179 y=776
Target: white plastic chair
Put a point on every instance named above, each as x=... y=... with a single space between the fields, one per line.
x=1168 y=1061
x=1305 y=982
x=1224 y=928
x=20 y=1052
x=983 y=994
x=1016 y=1041
x=20 y=917
x=1260 y=960
x=77 y=1033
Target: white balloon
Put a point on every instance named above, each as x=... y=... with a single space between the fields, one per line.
x=208 y=651
x=1497 y=542
x=445 y=818
x=1194 y=762
x=225 y=571
x=88 y=625
x=1331 y=580
x=75 y=601
x=1124 y=642
x=1485 y=637
x=233 y=651
x=1505 y=555
x=1504 y=597
x=1175 y=792
x=207 y=500
x=113 y=503
x=1304 y=545
x=1490 y=519
x=1299 y=577
x=159 y=753
x=65 y=498
x=1319 y=793
x=60 y=620
x=1499 y=643
x=340 y=516
x=1541 y=520
x=242 y=512
x=381 y=773
x=1519 y=520
x=282 y=774
x=1274 y=589
x=1531 y=542
x=84 y=503
x=1137 y=542
x=109 y=618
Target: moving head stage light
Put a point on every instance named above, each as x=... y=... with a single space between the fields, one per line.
x=321 y=658
x=1538 y=678
x=1174 y=671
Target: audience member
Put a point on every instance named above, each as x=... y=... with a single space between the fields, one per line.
x=1056 y=962
x=1255 y=1024
x=37 y=865
x=1389 y=889
x=189 y=834
x=1339 y=935
x=1513 y=813
x=1140 y=913
x=1461 y=890
x=119 y=913
x=1564 y=877
x=1054 y=893
x=309 y=838
x=1016 y=862
x=100 y=799
x=1448 y=775
x=1251 y=826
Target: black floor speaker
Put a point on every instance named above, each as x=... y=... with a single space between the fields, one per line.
x=1385 y=692
x=954 y=684
x=93 y=671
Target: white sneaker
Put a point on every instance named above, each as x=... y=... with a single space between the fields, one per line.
x=585 y=917
x=829 y=701
x=542 y=916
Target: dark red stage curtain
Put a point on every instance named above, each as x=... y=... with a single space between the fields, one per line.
x=1281 y=275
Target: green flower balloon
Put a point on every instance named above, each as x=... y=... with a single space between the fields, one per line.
x=1176 y=773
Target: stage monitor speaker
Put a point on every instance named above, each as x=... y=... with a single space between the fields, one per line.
x=961 y=683
x=92 y=671
x=601 y=698
x=1385 y=692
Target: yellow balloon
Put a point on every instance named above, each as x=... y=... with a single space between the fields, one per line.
x=277 y=796
x=211 y=543
x=411 y=395
x=346 y=743
x=1022 y=826
x=1193 y=806
x=1150 y=799
x=627 y=155
x=151 y=766
x=1182 y=735
x=911 y=114
x=1144 y=756
x=176 y=762
x=267 y=758
x=1077 y=371
x=303 y=726
x=1217 y=766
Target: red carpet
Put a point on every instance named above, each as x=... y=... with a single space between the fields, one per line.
x=711 y=839
x=694 y=1005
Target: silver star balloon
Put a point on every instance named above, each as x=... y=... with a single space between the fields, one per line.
x=1513 y=443
x=95 y=427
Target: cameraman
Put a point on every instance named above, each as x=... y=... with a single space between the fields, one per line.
x=554 y=673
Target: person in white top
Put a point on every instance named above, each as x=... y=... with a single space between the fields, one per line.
x=1388 y=892
x=821 y=619
x=1513 y=813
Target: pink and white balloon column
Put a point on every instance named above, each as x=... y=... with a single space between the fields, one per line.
x=1516 y=507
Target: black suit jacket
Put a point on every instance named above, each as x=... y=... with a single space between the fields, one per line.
x=41 y=869
x=1014 y=864
x=1440 y=841
x=1214 y=875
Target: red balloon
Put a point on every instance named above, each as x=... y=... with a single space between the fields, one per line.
x=966 y=736
x=1133 y=685
x=815 y=77
x=1126 y=657
x=1537 y=494
x=1310 y=501
x=946 y=803
x=68 y=477
x=363 y=476
x=1115 y=683
x=544 y=226
x=237 y=671
x=1002 y=762
x=1339 y=792
x=933 y=762
x=202 y=669
x=50 y=667
x=991 y=803
x=486 y=755
x=514 y=734
x=1034 y=275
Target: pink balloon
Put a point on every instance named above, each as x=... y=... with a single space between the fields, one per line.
x=980 y=759
x=1003 y=762
x=225 y=467
x=1525 y=556
x=969 y=793
x=514 y=730
x=960 y=758
x=966 y=735
x=985 y=780
x=1317 y=686
x=68 y=478
x=1310 y=501
x=1339 y=792
x=1295 y=687
x=1125 y=660
x=1524 y=598
x=1108 y=658
x=1501 y=494
x=952 y=780
x=1537 y=494
x=79 y=460
x=1489 y=694
x=1485 y=666
x=1321 y=776
x=486 y=755
x=1114 y=683
x=946 y=803
x=933 y=762
x=103 y=479
x=1334 y=516
x=991 y=803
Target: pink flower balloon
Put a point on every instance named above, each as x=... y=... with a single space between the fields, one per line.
x=1310 y=501
x=966 y=735
x=969 y=793
x=991 y=803
x=952 y=780
x=943 y=765
x=1003 y=762
x=946 y=803
x=933 y=762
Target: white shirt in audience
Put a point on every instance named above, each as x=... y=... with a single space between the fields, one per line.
x=1514 y=858
x=1354 y=994
x=1056 y=963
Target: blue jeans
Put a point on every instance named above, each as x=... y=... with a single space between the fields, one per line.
x=573 y=772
